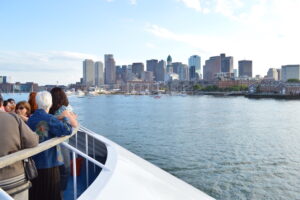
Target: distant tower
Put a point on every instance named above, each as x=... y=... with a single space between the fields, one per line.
x=169 y=65
x=110 y=69
x=195 y=61
x=88 y=72
x=99 y=75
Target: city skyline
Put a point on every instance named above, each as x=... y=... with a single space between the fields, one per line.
x=39 y=39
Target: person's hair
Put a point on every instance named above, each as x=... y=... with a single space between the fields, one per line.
x=44 y=100
x=1 y=100
x=5 y=103
x=32 y=102
x=26 y=105
x=10 y=100
x=59 y=98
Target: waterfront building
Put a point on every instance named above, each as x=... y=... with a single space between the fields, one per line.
x=124 y=73
x=195 y=61
x=160 y=71
x=88 y=72
x=245 y=68
x=226 y=63
x=110 y=69
x=151 y=65
x=137 y=69
x=211 y=67
x=272 y=74
x=290 y=72
x=169 y=65
x=99 y=74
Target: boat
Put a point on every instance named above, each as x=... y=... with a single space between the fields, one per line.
x=103 y=170
x=80 y=93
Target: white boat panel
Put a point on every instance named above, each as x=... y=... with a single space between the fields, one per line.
x=133 y=178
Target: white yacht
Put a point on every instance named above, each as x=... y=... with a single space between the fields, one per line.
x=110 y=172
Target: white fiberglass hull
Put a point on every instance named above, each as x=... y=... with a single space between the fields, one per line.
x=132 y=178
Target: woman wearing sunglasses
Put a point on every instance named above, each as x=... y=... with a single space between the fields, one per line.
x=23 y=110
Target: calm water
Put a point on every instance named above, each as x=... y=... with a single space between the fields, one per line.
x=230 y=148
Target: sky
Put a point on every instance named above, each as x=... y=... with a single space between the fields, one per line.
x=46 y=41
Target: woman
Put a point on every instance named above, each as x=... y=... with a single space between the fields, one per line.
x=47 y=185
x=32 y=102
x=23 y=109
x=61 y=108
x=15 y=135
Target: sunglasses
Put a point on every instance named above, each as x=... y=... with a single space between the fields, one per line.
x=21 y=108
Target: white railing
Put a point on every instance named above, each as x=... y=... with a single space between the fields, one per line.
x=23 y=154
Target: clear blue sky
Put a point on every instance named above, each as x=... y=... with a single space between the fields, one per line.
x=46 y=41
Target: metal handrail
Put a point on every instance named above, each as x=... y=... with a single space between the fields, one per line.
x=26 y=153
x=23 y=154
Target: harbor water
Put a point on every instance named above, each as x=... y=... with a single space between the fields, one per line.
x=228 y=147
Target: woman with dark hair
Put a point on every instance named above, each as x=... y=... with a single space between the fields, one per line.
x=23 y=110
x=32 y=102
x=62 y=109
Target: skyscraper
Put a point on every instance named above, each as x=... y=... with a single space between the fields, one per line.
x=160 y=71
x=88 y=72
x=183 y=72
x=137 y=69
x=151 y=64
x=273 y=74
x=110 y=69
x=99 y=75
x=245 y=68
x=212 y=66
x=290 y=72
x=169 y=65
x=195 y=61
x=226 y=63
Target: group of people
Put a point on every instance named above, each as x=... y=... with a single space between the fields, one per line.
x=26 y=124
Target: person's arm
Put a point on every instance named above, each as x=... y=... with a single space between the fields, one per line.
x=71 y=117
x=29 y=138
x=59 y=128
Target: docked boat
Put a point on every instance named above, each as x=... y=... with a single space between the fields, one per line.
x=103 y=170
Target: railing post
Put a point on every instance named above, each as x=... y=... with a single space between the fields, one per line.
x=74 y=175
x=86 y=160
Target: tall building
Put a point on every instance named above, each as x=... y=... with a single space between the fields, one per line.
x=110 y=69
x=160 y=71
x=290 y=72
x=212 y=66
x=176 y=66
x=99 y=75
x=226 y=63
x=137 y=69
x=88 y=72
x=279 y=74
x=169 y=65
x=151 y=64
x=245 y=68
x=272 y=74
x=193 y=74
x=195 y=61
x=183 y=72
x=147 y=76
